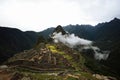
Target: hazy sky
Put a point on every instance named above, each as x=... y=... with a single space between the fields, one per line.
x=38 y=15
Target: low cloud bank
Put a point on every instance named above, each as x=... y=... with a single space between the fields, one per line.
x=72 y=41
x=100 y=54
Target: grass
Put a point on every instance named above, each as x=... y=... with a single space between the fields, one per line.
x=37 y=75
x=88 y=76
x=41 y=76
x=69 y=57
x=71 y=78
x=46 y=76
x=50 y=76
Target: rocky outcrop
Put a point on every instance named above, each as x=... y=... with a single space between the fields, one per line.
x=102 y=77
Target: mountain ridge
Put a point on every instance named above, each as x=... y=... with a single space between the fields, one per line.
x=12 y=41
x=105 y=36
x=62 y=60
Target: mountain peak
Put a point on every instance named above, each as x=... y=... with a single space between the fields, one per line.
x=59 y=29
x=115 y=20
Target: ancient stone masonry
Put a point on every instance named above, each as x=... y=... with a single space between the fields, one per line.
x=54 y=60
x=49 y=57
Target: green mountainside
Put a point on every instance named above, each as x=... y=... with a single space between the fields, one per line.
x=105 y=36
x=53 y=61
x=33 y=56
x=14 y=40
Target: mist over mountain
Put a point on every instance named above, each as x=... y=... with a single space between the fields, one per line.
x=104 y=35
x=102 y=31
x=62 y=57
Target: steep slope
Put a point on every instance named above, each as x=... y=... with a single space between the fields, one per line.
x=48 y=56
x=12 y=41
x=108 y=31
x=59 y=29
x=83 y=31
x=105 y=36
x=49 y=61
x=46 y=32
x=102 y=31
x=33 y=36
x=56 y=61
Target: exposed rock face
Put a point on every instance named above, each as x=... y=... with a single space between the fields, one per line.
x=3 y=67
x=48 y=57
x=59 y=29
x=102 y=77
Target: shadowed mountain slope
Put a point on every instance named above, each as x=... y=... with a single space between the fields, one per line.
x=59 y=61
x=13 y=40
x=105 y=36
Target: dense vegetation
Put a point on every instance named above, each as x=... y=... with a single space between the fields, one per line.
x=13 y=40
x=105 y=35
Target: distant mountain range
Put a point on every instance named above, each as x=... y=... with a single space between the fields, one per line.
x=105 y=35
x=57 y=59
x=102 y=31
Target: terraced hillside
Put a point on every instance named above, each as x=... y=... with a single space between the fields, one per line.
x=49 y=62
x=54 y=61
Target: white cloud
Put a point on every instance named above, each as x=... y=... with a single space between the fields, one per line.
x=73 y=41
x=40 y=14
x=70 y=40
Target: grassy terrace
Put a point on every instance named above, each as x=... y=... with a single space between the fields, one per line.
x=54 y=50
x=75 y=75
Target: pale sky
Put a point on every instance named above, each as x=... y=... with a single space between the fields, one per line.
x=37 y=15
